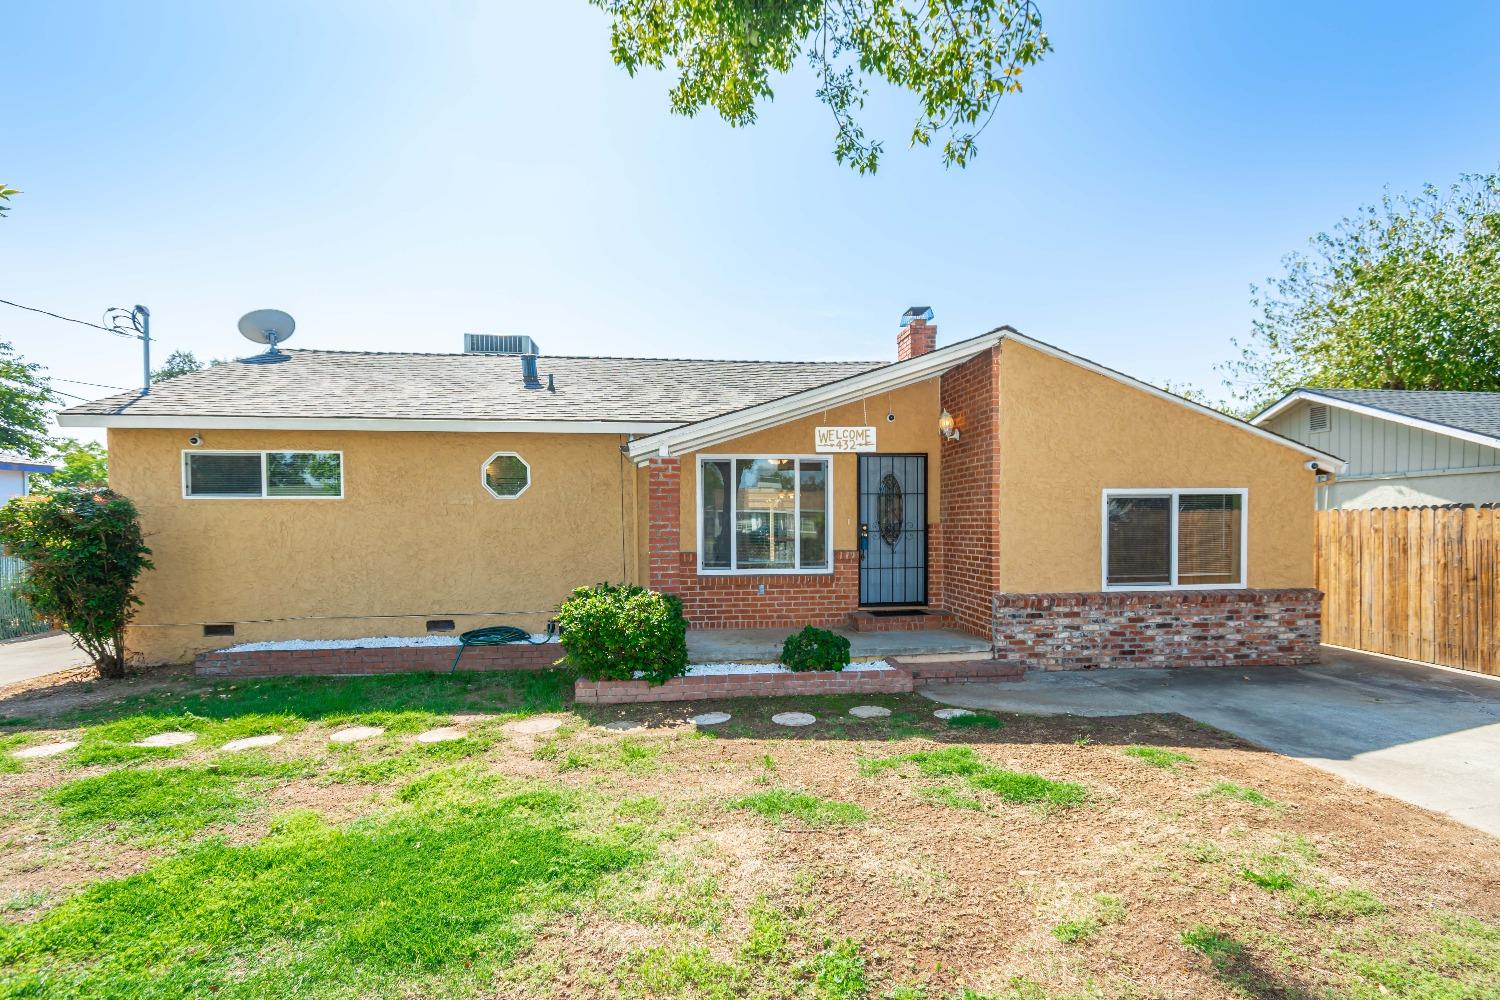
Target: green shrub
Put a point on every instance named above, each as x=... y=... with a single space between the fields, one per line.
x=83 y=550
x=815 y=649
x=614 y=632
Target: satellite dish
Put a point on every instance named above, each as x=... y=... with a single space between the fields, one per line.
x=267 y=326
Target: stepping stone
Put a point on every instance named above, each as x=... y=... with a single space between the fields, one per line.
x=869 y=712
x=951 y=713
x=356 y=733
x=253 y=742
x=173 y=739
x=622 y=725
x=793 y=719
x=533 y=726
x=442 y=734
x=45 y=750
x=710 y=718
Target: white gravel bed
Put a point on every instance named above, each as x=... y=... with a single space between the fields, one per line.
x=726 y=669
x=370 y=642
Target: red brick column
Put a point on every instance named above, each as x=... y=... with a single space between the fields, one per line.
x=663 y=523
x=970 y=504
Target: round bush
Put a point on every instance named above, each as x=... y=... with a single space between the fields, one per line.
x=611 y=633
x=815 y=649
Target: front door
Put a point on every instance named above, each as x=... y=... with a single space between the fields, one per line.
x=893 y=529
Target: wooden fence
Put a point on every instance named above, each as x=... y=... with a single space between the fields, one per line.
x=1417 y=582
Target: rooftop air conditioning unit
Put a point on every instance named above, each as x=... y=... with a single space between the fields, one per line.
x=494 y=343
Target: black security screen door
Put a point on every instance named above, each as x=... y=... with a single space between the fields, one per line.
x=893 y=529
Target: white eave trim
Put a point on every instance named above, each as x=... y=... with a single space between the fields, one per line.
x=1311 y=395
x=1335 y=464
x=127 y=420
x=727 y=426
x=715 y=430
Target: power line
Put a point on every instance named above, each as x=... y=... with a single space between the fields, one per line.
x=69 y=319
x=96 y=385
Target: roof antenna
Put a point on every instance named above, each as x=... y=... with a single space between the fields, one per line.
x=270 y=327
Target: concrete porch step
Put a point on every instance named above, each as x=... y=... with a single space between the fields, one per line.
x=900 y=620
x=929 y=671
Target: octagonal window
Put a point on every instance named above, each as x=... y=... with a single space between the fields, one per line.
x=506 y=475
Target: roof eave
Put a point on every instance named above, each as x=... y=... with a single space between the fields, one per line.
x=1300 y=395
x=203 y=422
x=726 y=426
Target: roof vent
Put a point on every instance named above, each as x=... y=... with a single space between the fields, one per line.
x=1317 y=418
x=528 y=372
x=494 y=343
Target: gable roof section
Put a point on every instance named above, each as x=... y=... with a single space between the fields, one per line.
x=1468 y=416
x=725 y=426
x=360 y=390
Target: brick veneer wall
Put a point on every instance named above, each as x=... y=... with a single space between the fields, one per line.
x=1195 y=628
x=790 y=600
x=384 y=660
x=743 y=686
x=967 y=549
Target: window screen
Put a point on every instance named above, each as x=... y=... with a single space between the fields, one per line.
x=1140 y=541
x=716 y=521
x=1208 y=538
x=218 y=475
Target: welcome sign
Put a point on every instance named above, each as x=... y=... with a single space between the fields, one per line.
x=832 y=439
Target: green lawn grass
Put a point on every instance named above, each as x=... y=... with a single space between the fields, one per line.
x=1167 y=760
x=777 y=804
x=440 y=887
x=1229 y=790
x=963 y=762
x=156 y=804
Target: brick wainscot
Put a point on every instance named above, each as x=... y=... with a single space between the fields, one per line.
x=374 y=660
x=1193 y=628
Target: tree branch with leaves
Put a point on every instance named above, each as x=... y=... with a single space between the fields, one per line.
x=1404 y=294
x=958 y=57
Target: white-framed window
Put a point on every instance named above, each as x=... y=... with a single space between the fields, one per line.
x=505 y=475
x=763 y=514
x=262 y=475
x=1174 y=539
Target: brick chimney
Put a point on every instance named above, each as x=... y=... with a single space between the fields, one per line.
x=918 y=335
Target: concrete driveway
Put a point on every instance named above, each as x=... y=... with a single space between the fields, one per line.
x=1423 y=734
x=23 y=659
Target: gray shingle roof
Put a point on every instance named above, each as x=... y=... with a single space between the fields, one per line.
x=373 y=385
x=1478 y=412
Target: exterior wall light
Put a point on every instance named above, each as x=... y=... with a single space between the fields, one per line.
x=946 y=427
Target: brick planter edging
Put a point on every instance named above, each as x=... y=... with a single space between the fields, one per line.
x=374 y=660
x=895 y=681
x=1189 y=628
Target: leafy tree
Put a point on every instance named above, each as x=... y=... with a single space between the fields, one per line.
x=958 y=57
x=1402 y=295
x=83 y=551
x=24 y=395
x=177 y=363
x=80 y=463
x=5 y=195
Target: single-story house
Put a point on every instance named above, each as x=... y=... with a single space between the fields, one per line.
x=15 y=471
x=1404 y=448
x=1077 y=515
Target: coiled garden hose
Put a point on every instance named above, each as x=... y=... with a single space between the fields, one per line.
x=495 y=635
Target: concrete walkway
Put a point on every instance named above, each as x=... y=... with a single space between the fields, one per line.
x=24 y=659
x=1423 y=734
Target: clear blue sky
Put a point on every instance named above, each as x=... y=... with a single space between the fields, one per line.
x=397 y=174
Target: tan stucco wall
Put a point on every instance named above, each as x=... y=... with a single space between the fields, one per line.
x=416 y=534
x=914 y=431
x=1066 y=434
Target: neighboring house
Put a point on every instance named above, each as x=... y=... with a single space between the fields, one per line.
x=1403 y=448
x=1079 y=516
x=14 y=473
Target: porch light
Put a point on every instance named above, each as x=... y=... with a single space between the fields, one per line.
x=946 y=427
